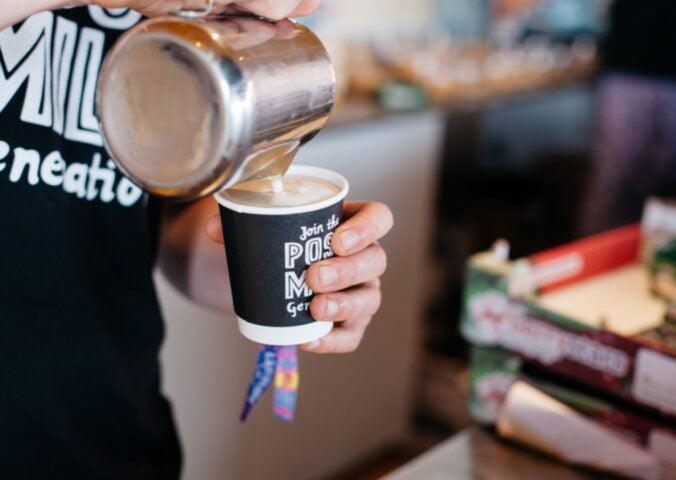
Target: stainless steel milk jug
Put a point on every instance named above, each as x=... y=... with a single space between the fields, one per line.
x=188 y=106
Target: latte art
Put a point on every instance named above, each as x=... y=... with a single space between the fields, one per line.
x=287 y=191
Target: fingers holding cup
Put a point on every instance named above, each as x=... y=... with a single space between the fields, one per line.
x=344 y=338
x=352 y=304
x=339 y=273
x=367 y=222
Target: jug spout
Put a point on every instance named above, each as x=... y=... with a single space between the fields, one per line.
x=266 y=163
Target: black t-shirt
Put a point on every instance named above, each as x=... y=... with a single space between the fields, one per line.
x=80 y=325
x=642 y=38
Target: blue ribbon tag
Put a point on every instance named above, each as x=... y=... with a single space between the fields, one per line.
x=262 y=377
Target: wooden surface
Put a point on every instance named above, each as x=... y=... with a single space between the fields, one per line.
x=476 y=454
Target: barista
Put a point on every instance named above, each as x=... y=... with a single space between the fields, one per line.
x=80 y=325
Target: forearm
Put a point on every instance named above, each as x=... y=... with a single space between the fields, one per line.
x=12 y=12
x=193 y=263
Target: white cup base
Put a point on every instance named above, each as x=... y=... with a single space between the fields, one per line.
x=284 y=336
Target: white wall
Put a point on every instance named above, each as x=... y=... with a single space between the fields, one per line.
x=349 y=405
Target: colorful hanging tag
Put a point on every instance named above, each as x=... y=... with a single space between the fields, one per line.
x=286 y=383
x=280 y=363
x=262 y=377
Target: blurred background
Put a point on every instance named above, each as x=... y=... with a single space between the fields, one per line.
x=538 y=121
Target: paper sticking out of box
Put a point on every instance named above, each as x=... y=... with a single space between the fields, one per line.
x=655 y=381
x=658 y=226
x=537 y=420
x=619 y=301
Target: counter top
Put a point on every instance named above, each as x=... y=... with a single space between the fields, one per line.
x=476 y=454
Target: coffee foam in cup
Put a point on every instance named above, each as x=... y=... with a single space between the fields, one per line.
x=288 y=191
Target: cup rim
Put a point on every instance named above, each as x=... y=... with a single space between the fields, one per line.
x=305 y=170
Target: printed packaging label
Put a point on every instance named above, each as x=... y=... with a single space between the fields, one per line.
x=655 y=380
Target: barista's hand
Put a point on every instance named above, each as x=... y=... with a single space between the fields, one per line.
x=347 y=285
x=273 y=9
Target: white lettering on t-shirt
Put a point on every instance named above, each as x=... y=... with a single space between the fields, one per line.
x=105 y=176
x=128 y=193
x=4 y=151
x=52 y=169
x=81 y=123
x=64 y=50
x=26 y=58
x=90 y=181
x=25 y=160
x=58 y=59
x=56 y=62
x=75 y=180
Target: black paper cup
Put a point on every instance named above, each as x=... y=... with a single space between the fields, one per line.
x=268 y=250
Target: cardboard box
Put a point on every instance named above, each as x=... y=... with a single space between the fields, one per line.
x=583 y=311
x=555 y=416
x=582 y=430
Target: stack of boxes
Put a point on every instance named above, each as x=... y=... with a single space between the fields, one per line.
x=582 y=326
